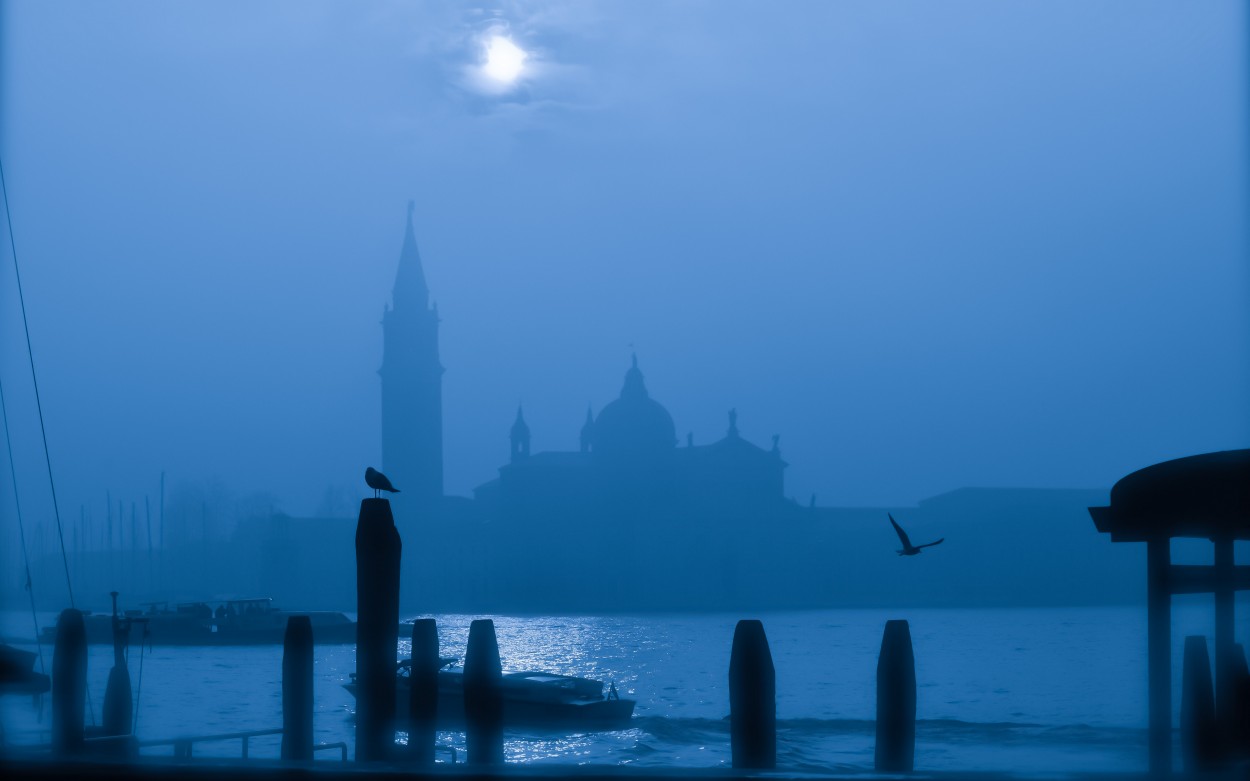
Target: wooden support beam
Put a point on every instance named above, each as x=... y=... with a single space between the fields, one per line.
x=1159 y=653
x=1204 y=578
x=1224 y=670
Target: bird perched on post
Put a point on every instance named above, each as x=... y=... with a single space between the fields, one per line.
x=908 y=548
x=378 y=482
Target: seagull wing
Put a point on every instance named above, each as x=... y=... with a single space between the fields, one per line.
x=931 y=544
x=902 y=535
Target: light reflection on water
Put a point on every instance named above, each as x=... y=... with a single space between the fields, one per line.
x=1047 y=689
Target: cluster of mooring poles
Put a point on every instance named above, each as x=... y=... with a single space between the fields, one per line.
x=1207 y=497
x=753 y=700
x=70 y=735
x=378 y=548
x=752 y=678
x=752 y=681
x=114 y=737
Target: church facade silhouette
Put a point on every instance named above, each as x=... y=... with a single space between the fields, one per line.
x=628 y=463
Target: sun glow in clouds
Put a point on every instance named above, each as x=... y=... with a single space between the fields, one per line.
x=504 y=60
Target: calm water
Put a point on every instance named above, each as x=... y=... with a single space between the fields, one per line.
x=1043 y=689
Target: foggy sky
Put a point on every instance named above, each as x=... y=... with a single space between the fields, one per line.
x=930 y=245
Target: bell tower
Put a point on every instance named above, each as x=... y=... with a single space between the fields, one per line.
x=519 y=437
x=412 y=381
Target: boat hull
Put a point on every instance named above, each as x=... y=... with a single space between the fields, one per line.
x=524 y=707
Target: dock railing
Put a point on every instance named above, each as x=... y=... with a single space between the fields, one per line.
x=123 y=744
x=182 y=746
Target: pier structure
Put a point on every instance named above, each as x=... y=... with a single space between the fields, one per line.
x=1206 y=497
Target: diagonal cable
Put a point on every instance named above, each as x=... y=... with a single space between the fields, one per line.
x=60 y=532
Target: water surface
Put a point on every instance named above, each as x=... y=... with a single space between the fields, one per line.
x=1050 y=689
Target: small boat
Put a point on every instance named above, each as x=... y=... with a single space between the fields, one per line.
x=530 y=700
x=218 y=622
x=17 y=673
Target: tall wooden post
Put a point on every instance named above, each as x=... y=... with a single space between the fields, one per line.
x=297 y=689
x=752 y=699
x=118 y=700
x=896 y=700
x=69 y=683
x=1200 y=739
x=423 y=694
x=1239 y=731
x=377 y=628
x=483 y=702
x=1159 y=652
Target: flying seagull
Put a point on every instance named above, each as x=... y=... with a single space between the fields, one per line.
x=378 y=482
x=908 y=548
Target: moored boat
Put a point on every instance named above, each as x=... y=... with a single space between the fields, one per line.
x=17 y=672
x=217 y=622
x=530 y=700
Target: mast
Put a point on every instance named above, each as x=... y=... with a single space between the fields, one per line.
x=147 y=511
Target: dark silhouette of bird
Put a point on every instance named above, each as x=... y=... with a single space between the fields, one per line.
x=378 y=482
x=908 y=548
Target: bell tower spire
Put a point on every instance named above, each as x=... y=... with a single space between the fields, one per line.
x=519 y=437
x=410 y=288
x=412 y=380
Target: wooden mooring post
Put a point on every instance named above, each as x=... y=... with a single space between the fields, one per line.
x=483 y=703
x=1238 y=732
x=423 y=691
x=297 y=690
x=69 y=683
x=378 y=550
x=752 y=699
x=1200 y=738
x=896 y=700
x=118 y=700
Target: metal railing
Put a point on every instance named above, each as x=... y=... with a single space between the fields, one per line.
x=182 y=746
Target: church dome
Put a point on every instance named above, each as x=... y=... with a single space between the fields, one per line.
x=634 y=424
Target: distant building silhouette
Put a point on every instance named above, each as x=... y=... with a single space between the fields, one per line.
x=412 y=381
x=520 y=438
x=627 y=518
x=628 y=464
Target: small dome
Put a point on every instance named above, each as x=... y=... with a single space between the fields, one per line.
x=634 y=424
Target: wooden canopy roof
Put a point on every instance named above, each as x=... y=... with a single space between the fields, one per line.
x=1198 y=496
